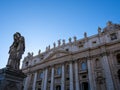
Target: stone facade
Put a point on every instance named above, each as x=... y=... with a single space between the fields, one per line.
x=91 y=63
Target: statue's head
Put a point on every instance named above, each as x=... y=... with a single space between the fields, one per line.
x=17 y=35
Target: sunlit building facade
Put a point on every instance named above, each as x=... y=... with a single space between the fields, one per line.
x=90 y=63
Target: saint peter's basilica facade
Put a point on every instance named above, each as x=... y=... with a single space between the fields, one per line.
x=90 y=63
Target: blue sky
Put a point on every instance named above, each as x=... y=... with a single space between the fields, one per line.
x=43 y=22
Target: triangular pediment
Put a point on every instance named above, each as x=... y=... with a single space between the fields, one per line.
x=57 y=54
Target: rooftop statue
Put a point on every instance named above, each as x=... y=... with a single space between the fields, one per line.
x=16 y=51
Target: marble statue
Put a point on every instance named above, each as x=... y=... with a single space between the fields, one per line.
x=16 y=51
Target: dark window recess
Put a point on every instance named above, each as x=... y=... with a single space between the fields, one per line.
x=42 y=56
x=113 y=36
x=67 y=78
x=49 y=81
x=80 y=44
x=94 y=42
x=58 y=87
x=39 y=88
x=84 y=76
x=39 y=83
x=119 y=74
x=118 y=58
x=26 y=64
x=85 y=86
x=67 y=49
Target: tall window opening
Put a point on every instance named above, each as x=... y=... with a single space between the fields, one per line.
x=59 y=70
x=84 y=66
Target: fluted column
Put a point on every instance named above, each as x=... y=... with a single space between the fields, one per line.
x=63 y=78
x=109 y=81
x=52 y=80
x=34 y=83
x=90 y=75
x=76 y=76
x=71 y=76
x=45 y=79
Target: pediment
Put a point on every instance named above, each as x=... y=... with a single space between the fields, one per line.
x=57 y=54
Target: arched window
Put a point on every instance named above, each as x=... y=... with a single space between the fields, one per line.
x=118 y=58
x=83 y=66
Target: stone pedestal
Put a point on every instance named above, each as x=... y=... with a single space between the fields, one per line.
x=11 y=79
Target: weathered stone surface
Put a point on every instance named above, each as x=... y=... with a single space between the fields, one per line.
x=11 y=79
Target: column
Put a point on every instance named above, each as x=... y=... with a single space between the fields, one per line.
x=63 y=78
x=25 y=84
x=52 y=80
x=34 y=83
x=71 y=76
x=109 y=81
x=45 y=80
x=90 y=75
x=76 y=76
x=93 y=74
